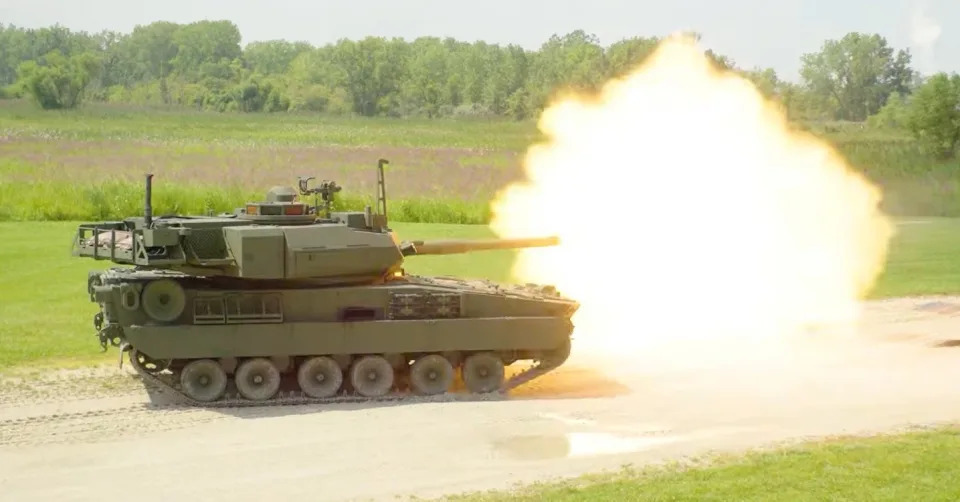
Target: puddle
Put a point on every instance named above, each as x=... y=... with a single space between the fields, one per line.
x=938 y=307
x=948 y=343
x=576 y=444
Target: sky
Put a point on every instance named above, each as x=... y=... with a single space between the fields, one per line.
x=754 y=33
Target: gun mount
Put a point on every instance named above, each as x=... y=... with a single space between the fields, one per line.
x=282 y=286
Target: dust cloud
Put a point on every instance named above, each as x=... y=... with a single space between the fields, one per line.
x=690 y=212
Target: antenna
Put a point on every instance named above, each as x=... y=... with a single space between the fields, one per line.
x=147 y=202
x=381 y=192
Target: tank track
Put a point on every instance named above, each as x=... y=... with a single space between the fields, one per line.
x=298 y=398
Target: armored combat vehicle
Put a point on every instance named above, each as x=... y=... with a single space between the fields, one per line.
x=283 y=301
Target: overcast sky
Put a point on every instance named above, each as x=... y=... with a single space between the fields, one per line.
x=767 y=33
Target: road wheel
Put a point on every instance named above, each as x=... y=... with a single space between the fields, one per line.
x=257 y=379
x=431 y=374
x=320 y=377
x=483 y=372
x=371 y=376
x=203 y=380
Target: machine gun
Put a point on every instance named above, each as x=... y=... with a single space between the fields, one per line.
x=325 y=191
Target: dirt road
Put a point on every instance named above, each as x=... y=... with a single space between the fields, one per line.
x=88 y=435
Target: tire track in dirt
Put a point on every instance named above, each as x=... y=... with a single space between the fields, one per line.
x=106 y=404
x=99 y=425
x=67 y=386
x=86 y=405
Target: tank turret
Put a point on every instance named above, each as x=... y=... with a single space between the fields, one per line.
x=279 y=238
x=224 y=305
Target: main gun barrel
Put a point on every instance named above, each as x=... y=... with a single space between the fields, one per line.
x=455 y=246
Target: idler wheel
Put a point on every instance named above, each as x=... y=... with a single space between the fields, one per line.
x=163 y=300
x=431 y=374
x=147 y=363
x=483 y=372
x=203 y=380
x=371 y=376
x=257 y=379
x=320 y=377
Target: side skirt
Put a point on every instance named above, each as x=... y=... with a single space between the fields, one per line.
x=361 y=337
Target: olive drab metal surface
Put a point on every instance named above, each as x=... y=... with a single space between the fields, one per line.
x=286 y=301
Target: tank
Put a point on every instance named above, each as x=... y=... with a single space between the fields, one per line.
x=286 y=301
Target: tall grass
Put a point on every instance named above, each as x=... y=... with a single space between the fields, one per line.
x=186 y=127
x=55 y=201
x=189 y=145
x=914 y=182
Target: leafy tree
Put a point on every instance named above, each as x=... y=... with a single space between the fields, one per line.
x=893 y=115
x=720 y=61
x=471 y=67
x=316 y=66
x=205 y=42
x=201 y=64
x=57 y=81
x=149 y=51
x=273 y=57
x=572 y=62
x=856 y=74
x=372 y=71
x=628 y=54
x=506 y=80
x=426 y=89
x=19 y=44
x=766 y=81
x=933 y=115
x=14 y=49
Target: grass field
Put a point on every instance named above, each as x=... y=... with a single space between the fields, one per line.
x=914 y=466
x=89 y=163
x=185 y=127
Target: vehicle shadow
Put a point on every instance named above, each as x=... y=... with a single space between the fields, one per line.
x=562 y=383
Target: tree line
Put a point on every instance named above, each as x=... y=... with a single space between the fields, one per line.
x=202 y=65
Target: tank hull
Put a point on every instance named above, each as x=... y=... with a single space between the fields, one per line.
x=168 y=320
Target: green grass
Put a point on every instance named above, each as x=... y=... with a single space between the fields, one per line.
x=46 y=316
x=913 y=466
x=881 y=153
x=60 y=201
x=924 y=259
x=97 y=121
